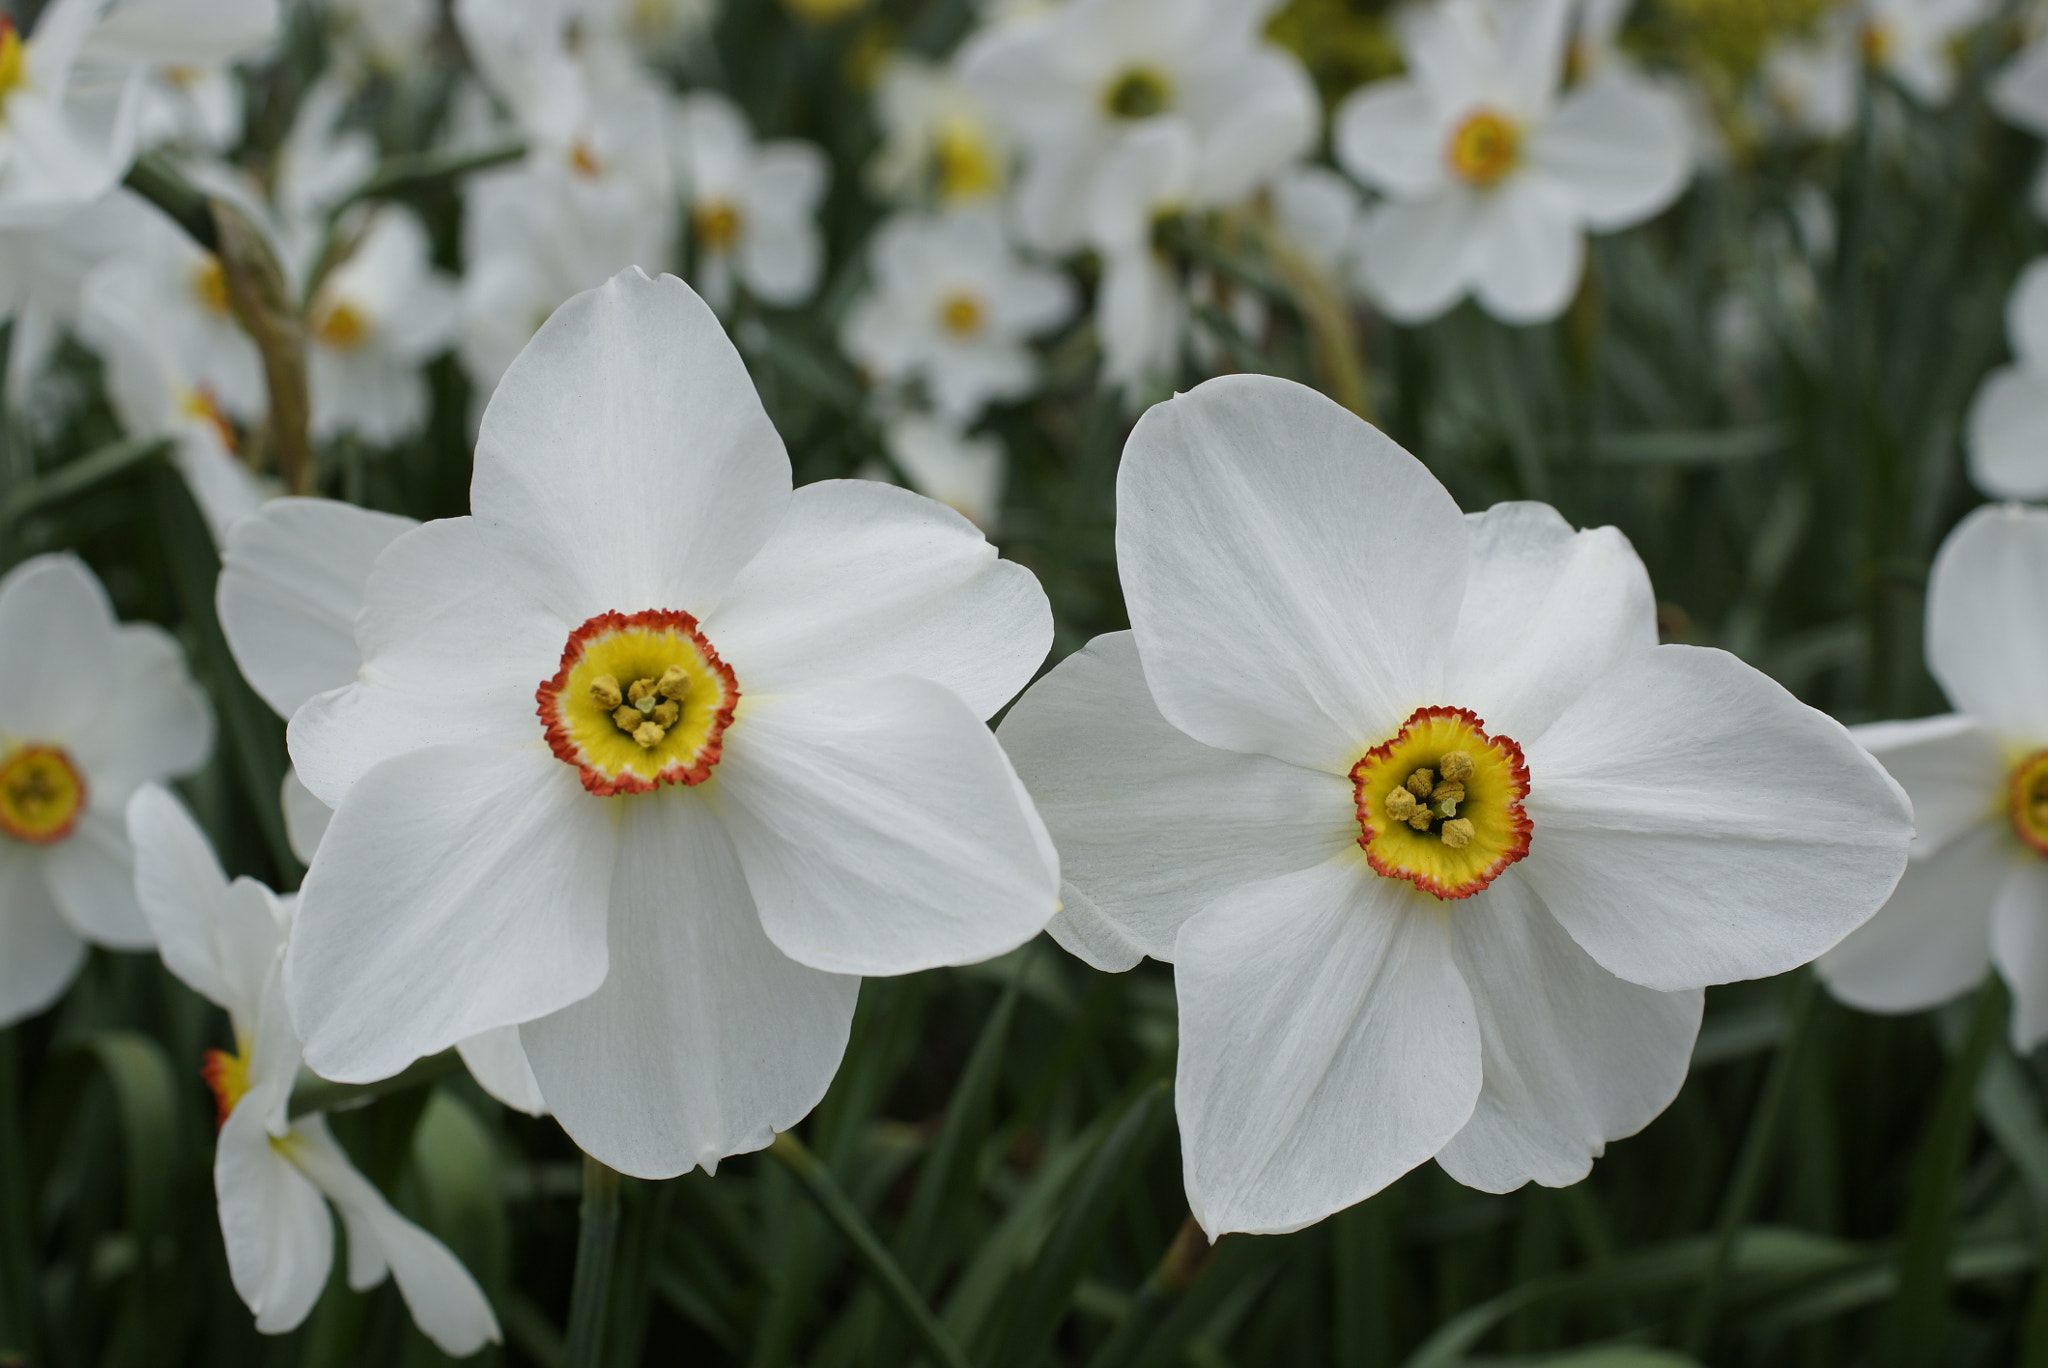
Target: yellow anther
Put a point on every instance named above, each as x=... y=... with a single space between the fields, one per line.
x=1455 y=767
x=1458 y=834
x=639 y=689
x=1421 y=820
x=341 y=326
x=649 y=735
x=1421 y=783
x=627 y=718
x=674 y=683
x=717 y=224
x=665 y=713
x=1400 y=805
x=604 y=691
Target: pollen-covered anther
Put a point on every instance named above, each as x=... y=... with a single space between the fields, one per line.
x=1440 y=804
x=664 y=726
x=1458 y=834
x=605 y=692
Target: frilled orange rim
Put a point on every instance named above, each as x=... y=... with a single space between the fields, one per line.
x=42 y=794
x=1440 y=803
x=641 y=700
x=2026 y=799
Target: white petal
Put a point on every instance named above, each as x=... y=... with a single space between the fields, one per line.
x=446 y=1304
x=180 y=31
x=57 y=628
x=1417 y=258
x=1951 y=767
x=882 y=830
x=1391 y=136
x=291 y=584
x=2019 y=945
x=1620 y=145
x=1668 y=840
x=91 y=874
x=39 y=952
x=2007 y=434
x=1151 y=824
x=705 y=1039
x=2026 y=314
x=1573 y=1056
x=1932 y=939
x=1547 y=611
x=865 y=579
x=279 y=1237
x=1257 y=113
x=1531 y=251
x=458 y=889
x=497 y=1061
x=454 y=647
x=1327 y=1045
x=1987 y=619
x=163 y=726
x=305 y=817
x=626 y=453
x=781 y=262
x=1256 y=524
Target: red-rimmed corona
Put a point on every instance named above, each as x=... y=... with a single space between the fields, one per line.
x=42 y=794
x=1440 y=804
x=641 y=700
x=2027 y=800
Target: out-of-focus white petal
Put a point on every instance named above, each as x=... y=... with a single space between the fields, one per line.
x=279 y=1237
x=1620 y=144
x=1987 y=620
x=91 y=874
x=2026 y=314
x=1152 y=825
x=2019 y=945
x=305 y=817
x=1266 y=620
x=1573 y=1056
x=1391 y=135
x=39 y=952
x=1531 y=251
x=1951 y=768
x=183 y=32
x=1932 y=939
x=161 y=728
x=1327 y=1045
x=1675 y=762
x=2006 y=434
x=58 y=629
x=705 y=1039
x=1417 y=258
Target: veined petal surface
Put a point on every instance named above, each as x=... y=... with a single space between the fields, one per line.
x=279 y=1237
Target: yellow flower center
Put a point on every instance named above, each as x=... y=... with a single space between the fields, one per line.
x=640 y=701
x=1485 y=147
x=42 y=794
x=1440 y=804
x=961 y=314
x=964 y=163
x=583 y=160
x=1879 y=39
x=718 y=225
x=341 y=325
x=1139 y=93
x=227 y=1074
x=2027 y=800
x=13 y=64
x=210 y=285
x=199 y=403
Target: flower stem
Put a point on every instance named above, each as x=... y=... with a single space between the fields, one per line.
x=840 y=1210
x=597 y=1243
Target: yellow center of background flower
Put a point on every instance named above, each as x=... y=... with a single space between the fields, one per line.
x=964 y=165
x=1440 y=804
x=1139 y=93
x=2027 y=800
x=227 y=1074
x=210 y=285
x=717 y=224
x=640 y=701
x=961 y=314
x=13 y=63
x=1485 y=147
x=341 y=326
x=42 y=794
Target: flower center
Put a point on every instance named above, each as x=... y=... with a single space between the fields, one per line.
x=1878 y=39
x=584 y=161
x=717 y=224
x=227 y=1074
x=1440 y=804
x=210 y=284
x=13 y=67
x=342 y=326
x=1139 y=93
x=961 y=314
x=42 y=794
x=199 y=403
x=1485 y=147
x=2027 y=800
x=640 y=701
x=966 y=165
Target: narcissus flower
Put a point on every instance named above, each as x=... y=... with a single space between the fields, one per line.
x=1976 y=890
x=90 y=709
x=2007 y=435
x=652 y=757
x=752 y=206
x=374 y=322
x=271 y=1171
x=1441 y=843
x=1492 y=176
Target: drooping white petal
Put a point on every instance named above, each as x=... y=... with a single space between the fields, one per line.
x=1987 y=619
x=163 y=726
x=1416 y=258
x=705 y=1039
x=39 y=952
x=2019 y=946
x=291 y=585
x=1327 y=1045
x=458 y=889
x=2007 y=434
x=627 y=456
x=497 y=1061
x=454 y=647
x=59 y=630
x=1680 y=761
x=279 y=1237
x=1547 y=611
x=1932 y=939
x=1951 y=768
x=1391 y=135
x=1256 y=520
x=1620 y=144
x=1151 y=824
x=184 y=895
x=1573 y=1056
x=882 y=829
x=865 y=579
x=1531 y=251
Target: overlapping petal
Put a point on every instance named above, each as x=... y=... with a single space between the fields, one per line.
x=1987 y=620
x=1932 y=939
x=1952 y=768
x=55 y=603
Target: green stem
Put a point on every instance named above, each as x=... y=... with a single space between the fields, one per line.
x=1920 y=1316
x=838 y=1208
x=424 y=168
x=75 y=477
x=1748 y=1178
x=597 y=1242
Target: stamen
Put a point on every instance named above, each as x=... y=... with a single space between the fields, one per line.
x=604 y=691
x=1440 y=804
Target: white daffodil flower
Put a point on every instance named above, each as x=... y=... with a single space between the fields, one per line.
x=1492 y=175
x=1811 y=81
x=758 y=766
x=188 y=95
x=376 y=319
x=42 y=271
x=1441 y=843
x=752 y=206
x=1976 y=891
x=2006 y=434
x=1141 y=308
x=952 y=307
x=90 y=709
x=66 y=134
x=939 y=144
x=291 y=585
x=1075 y=80
x=271 y=1171
x=967 y=474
